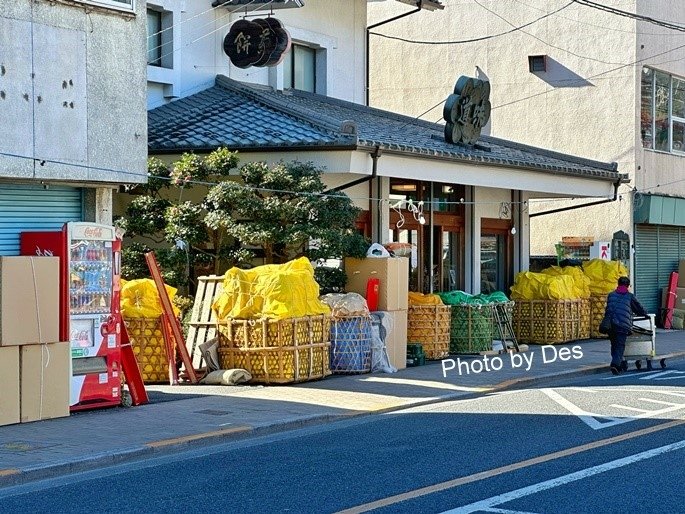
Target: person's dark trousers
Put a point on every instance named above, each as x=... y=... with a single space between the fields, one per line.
x=618 y=346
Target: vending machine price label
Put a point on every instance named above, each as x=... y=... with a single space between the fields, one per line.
x=79 y=352
x=103 y=378
x=111 y=341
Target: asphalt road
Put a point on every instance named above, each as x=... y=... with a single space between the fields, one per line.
x=601 y=444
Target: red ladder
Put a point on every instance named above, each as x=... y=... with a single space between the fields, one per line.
x=169 y=320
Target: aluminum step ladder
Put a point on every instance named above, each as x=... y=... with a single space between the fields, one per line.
x=504 y=327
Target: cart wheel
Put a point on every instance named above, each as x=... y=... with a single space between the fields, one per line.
x=126 y=399
x=624 y=365
x=649 y=365
x=662 y=362
x=638 y=365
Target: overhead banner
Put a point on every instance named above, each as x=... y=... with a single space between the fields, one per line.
x=259 y=42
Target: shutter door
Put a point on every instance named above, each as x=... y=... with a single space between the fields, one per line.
x=657 y=251
x=24 y=208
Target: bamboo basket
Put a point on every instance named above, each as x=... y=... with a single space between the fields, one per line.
x=147 y=342
x=430 y=326
x=351 y=345
x=471 y=328
x=585 y=325
x=598 y=304
x=277 y=351
x=546 y=321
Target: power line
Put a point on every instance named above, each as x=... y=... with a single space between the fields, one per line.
x=611 y=29
x=634 y=16
x=472 y=40
x=543 y=41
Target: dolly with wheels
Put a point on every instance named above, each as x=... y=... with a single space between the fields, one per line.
x=641 y=344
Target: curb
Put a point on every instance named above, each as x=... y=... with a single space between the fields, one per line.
x=16 y=477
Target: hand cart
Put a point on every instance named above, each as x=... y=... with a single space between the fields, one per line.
x=641 y=344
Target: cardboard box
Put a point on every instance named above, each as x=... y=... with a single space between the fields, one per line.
x=29 y=300
x=396 y=337
x=45 y=376
x=679 y=298
x=9 y=385
x=393 y=273
x=681 y=273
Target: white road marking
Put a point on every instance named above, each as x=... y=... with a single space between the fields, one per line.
x=507 y=511
x=596 y=421
x=565 y=479
x=680 y=373
x=644 y=376
x=649 y=400
x=660 y=374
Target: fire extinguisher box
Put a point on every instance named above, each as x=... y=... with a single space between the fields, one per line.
x=393 y=274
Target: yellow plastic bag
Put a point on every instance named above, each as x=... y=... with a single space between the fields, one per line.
x=540 y=286
x=581 y=283
x=139 y=299
x=424 y=299
x=274 y=291
x=603 y=275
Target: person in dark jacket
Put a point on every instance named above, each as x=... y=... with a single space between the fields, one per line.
x=621 y=305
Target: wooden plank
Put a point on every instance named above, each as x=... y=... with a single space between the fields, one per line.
x=171 y=318
x=202 y=326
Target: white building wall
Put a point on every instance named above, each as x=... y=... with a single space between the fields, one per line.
x=586 y=104
x=198 y=56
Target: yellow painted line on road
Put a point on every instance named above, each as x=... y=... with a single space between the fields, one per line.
x=483 y=475
x=196 y=437
x=8 y=472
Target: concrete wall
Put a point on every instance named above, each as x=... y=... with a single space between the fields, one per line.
x=73 y=84
x=198 y=54
x=586 y=103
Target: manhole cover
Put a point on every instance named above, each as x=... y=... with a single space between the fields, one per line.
x=212 y=412
x=23 y=446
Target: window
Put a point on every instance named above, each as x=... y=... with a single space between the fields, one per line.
x=299 y=68
x=159 y=38
x=537 y=63
x=662 y=116
x=124 y=5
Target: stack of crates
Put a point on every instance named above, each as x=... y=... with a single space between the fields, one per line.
x=415 y=355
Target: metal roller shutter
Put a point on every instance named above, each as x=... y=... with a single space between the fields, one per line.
x=35 y=208
x=657 y=251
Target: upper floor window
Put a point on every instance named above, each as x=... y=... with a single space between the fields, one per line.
x=159 y=38
x=662 y=117
x=299 y=68
x=124 y=5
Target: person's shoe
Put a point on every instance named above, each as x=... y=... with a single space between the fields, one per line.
x=614 y=370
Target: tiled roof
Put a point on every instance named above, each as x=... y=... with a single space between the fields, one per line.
x=248 y=117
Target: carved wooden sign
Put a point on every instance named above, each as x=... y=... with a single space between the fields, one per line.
x=260 y=42
x=467 y=110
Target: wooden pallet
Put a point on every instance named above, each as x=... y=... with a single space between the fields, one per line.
x=202 y=326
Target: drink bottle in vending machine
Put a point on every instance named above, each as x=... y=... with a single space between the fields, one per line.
x=90 y=264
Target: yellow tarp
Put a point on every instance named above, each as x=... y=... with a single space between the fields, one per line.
x=274 y=291
x=581 y=283
x=603 y=275
x=424 y=299
x=541 y=286
x=139 y=299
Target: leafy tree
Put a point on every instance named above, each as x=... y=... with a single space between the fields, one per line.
x=283 y=209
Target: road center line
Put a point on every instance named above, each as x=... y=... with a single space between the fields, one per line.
x=423 y=491
x=565 y=479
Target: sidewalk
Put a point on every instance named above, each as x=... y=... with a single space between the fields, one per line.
x=183 y=415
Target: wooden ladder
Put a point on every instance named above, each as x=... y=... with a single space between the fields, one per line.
x=202 y=326
x=171 y=327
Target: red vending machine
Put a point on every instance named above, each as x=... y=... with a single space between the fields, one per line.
x=90 y=264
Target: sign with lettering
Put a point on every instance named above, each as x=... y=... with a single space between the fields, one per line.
x=260 y=42
x=467 y=111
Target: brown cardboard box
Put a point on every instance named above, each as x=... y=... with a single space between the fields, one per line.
x=396 y=338
x=45 y=374
x=9 y=385
x=680 y=298
x=393 y=273
x=29 y=300
x=681 y=273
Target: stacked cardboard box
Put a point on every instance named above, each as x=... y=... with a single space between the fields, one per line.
x=393 y=275
x=35 y=368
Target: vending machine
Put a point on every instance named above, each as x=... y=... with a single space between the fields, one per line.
x=90 y=267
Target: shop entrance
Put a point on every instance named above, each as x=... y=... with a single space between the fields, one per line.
x=496 y=245
x=436 y=263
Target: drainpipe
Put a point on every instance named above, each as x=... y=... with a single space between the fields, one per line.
x=419 y=6
x=570 y=208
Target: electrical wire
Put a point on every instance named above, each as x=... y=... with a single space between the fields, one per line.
x=634 y=16
x=584 y=57
x=472 y=40
x=611 y=29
